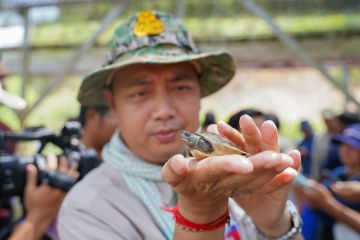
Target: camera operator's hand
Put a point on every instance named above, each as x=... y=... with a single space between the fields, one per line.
x=41 y=203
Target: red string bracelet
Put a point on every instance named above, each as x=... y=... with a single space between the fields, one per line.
x=187 y=225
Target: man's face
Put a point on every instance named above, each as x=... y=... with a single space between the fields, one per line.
x=152 y=103
x=350 y=156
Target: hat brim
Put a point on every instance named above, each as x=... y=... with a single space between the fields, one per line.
x=347 y=140
x=217 y=69
x=11 y=101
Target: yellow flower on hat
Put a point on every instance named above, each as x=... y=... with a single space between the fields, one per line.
x=148 y=24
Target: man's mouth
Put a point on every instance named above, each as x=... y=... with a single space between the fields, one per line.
x=166 y=136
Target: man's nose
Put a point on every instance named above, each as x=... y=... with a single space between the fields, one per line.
x=164 y=108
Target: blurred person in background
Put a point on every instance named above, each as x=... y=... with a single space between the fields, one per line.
x=41 y=202
x=305 y=147
x=322 y=143
x=98 y=124
x=16 y=103
x=338 y=125
x=349 y=190
x=347 y=219
x=337 y=199
x=209 y=119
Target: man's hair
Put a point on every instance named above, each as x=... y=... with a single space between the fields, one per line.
x=347 y=118
x=273 y=117
x=209 y=119
x=83 y=110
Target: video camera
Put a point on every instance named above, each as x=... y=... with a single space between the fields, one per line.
x=13 y=168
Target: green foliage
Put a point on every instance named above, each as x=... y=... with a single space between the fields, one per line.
x=59 y=106
x=243 y=26
x=52 y=112
x=8 y=116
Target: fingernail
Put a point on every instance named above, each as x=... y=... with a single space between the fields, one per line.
x=223 y=124
x=212 y=128
x=286 y=158
x=291 y=174
x=288 y=178
x=176 y=165
x=269 y=122
x=246 y=116
x=295 y=151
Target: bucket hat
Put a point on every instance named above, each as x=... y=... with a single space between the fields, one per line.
x=156 y=38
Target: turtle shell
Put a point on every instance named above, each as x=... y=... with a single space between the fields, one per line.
x=204 y=144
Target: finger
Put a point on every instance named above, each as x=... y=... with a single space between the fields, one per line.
x=175 y=170
x=251 y=133
x=232 y=134
x=267 y=166
x=31 y=178
x=270 y=136
x=281 y=180
x=219 y=167
x=73 y=172
x=271 y=160
x=51 y=161
x=249 y=184
x=212 y=128
x=296 y=156
x=337 y=187
x=63 y=164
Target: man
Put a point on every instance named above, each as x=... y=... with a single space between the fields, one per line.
x=336 y=204
x=322 y=143
x=41 y=202
x=153 y=82
x=305 y=147
x=8 y=147
x=98 y=125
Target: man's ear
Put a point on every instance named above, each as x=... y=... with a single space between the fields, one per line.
x=109 y=98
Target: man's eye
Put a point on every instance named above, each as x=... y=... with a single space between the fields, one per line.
x=183 y=88
x=138 y=94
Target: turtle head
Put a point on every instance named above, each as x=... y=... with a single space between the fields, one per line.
x=195 y=141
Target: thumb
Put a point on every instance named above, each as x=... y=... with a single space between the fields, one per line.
x=175 y=170
x=31 y=178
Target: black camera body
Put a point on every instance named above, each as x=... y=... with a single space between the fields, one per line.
x=13 y=168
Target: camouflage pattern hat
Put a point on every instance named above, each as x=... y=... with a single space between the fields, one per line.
x=156 y=38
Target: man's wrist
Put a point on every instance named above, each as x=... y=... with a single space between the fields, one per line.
x=39 y=224
x=199 y=213
x=29 y=225
x=280 y=227
x=293 y=226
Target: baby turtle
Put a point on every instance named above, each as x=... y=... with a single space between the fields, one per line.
x=205 y=144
